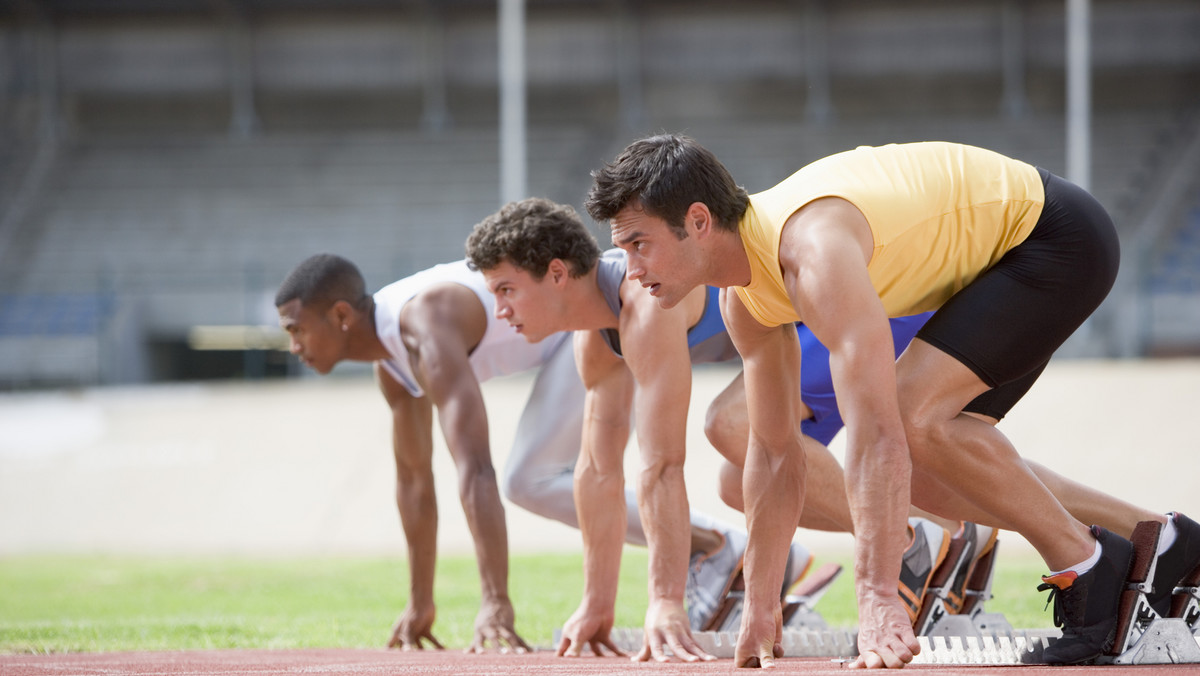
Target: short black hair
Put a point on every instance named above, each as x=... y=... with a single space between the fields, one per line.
x=320 y=281
x=665 y=174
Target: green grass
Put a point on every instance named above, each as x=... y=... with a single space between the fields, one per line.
x=95 y=603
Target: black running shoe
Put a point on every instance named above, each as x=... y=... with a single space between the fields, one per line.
x=1085 y=606
x=1176 y=563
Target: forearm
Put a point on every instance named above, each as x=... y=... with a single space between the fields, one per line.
x=878 y=486
x=774 y=485
x=484 y=511
x=417 y=504
x=603 y=530
x=663 y=504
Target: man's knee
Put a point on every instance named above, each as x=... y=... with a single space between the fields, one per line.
x=925 y=432
x=729 y=486
x=516 y=489
x=725 y=429
x=553 y=499
x=714 y=425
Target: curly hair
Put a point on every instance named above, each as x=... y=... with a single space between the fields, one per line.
x=320 y=281
x=529 y=234
x=666 y=174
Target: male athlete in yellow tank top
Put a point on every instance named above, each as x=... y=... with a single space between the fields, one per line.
x=1011 y=257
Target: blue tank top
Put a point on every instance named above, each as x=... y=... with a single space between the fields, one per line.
x=816 y=382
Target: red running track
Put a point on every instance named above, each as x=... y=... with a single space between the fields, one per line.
x=362 y=662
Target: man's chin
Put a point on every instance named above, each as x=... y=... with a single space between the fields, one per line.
x=666 y=302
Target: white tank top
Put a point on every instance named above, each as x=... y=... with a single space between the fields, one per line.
x=501 y=351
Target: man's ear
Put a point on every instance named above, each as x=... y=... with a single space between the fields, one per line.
x=341 y=314
x=698 y=219
x=558 y=271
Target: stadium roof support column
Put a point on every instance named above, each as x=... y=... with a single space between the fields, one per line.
x=435 y=113
x=1079 y=93
x=629 y=68
x=819 y=99
x=243 y=115
x=513 y=169
x=1012 y=56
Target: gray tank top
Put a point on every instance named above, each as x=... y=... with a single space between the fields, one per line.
x=708 y=342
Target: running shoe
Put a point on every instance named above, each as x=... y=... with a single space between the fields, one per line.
x=1179 y=564
x=799 y=560
x=728 y=614
x=978 y=541
x=926 y=550
x=799 y=606
x=710 y=575
x=1085 y=604
x=979 y=584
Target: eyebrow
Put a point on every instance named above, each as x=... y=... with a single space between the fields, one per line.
x=637 y=234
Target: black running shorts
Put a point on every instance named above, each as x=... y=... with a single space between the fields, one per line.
x=1006 y=324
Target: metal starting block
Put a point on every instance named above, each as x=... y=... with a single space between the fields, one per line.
x=979 y=638
x=1015 y=647
x=1142 y=636
x=1166 y=640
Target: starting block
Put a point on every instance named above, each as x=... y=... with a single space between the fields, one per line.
x=1142 y=636
x=953 y=604
x=975 y=637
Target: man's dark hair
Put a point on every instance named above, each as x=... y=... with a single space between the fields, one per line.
x=666 y=174
x=529 y=234
x=320 y=281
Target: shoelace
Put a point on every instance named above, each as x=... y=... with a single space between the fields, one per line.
x=1056 y=597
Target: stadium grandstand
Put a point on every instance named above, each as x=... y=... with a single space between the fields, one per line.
x=164 y=164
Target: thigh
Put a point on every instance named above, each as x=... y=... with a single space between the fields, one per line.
x=934 y=385
x=551 y=426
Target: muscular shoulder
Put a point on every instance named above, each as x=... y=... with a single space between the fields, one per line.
x=821 y=226
x=594 y=359
x=445 y=311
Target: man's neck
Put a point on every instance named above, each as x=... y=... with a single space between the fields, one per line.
x=587 y=309
x=365 y=344
x=728 y=264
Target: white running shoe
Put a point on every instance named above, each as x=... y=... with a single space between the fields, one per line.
x=711 y=574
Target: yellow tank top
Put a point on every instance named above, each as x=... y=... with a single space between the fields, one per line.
x=940 y=214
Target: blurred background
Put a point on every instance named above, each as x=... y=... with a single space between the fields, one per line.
x=165 y=163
